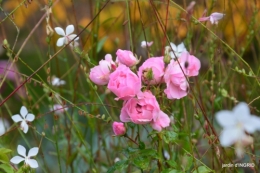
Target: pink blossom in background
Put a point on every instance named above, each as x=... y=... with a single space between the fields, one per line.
x=157 y=66
x=191 y=64
x=177 y=85
x=100 y=74
x=119 y=128
x=59 y=109
x=11 y=73
x=124 y=83
x=126 y=57
x=213 y=18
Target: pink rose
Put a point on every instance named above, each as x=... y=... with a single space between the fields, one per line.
x=124 y=83
x=119 y=128
x=161 y=121
x=191 y=64
x=140 y=110
x=126 y=57
x=177 y=86
x=100 y=74
x=155 y=64
x=143 y=110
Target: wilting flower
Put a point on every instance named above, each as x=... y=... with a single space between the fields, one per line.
x=126 y=57
x=124 y=83
x=156 y=65
x=236 y=123
x=119 y=128
x=173 y=49
x=55 y=81
x=145 y=44
x=213 y=18
x=27 y=159
x=24 y=117
x=4 y=125
x=100 y=73
x=67 y=36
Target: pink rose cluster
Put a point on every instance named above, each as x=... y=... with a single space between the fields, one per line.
x=141 y=107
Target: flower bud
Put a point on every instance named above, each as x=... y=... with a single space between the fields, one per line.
x=119 y=128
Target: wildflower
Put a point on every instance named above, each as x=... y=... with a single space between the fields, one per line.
x=27 y=159
x=4 y=125
x=119 y=128
x=174 y=50
x=55 y=81
x=213 y=18
x=67 y=36
x=145 y=44
x=236 y=123
x=24 y=117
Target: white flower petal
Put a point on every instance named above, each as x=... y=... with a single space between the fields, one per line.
x=252 y=124
x=173 y=47
x=242 y=112
x=72 y=36
x=17 y=118
x=32 y=163
x=226 y=118
x=231 y=135
x=217 y=16
x=30 y=117
x=69 y=29
x=60 y=41
x=16 y=159
x=59 y=31
x=23 y=111
x=181 y=47
x=33 y=152
x=21 y=150
x=25 y=127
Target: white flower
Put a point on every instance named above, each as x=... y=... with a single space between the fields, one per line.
x=4 y=125
x=67 y=36
x=59 y=109
x=145 y=44
x=213 y=18
x=236 y=123
x=57 y=81
x=176 y=49
x=24 y=118
x=27 y=159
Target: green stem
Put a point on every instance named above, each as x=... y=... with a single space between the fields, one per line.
x=129 y=26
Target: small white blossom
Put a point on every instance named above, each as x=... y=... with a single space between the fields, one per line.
x=67 y=36
x=24 y=117
x=4 y=125
x=27 y=159
x=236 y=123
x=55 y=81
x=145 y=44
x=213 y=18
x=59 y=109
x=173 y=49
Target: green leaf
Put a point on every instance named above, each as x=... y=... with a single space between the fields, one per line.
x=4 y=158
x=101 y=44
x=170 y=136
x=120 y=165
x=5 y=150
x=6 y=168
x=142 y=162
x=171 y=171
x=173 y=164
x=202 y=169
x=187 y=162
